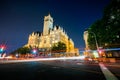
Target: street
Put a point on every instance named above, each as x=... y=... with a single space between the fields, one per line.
x=52 y=70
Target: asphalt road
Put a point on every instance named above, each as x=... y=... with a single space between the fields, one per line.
x=50 y=70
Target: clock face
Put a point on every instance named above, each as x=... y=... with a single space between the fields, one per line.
x=49 y=20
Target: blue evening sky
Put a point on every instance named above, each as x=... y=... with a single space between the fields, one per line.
x=19 y=18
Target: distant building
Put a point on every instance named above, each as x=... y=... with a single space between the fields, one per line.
x=85 y=36
x=50 y=36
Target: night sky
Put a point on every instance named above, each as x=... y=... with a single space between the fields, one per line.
x=19 y=18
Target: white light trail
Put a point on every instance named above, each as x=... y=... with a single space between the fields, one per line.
x=42 y=59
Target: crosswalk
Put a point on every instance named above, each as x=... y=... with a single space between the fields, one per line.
x=108 y=75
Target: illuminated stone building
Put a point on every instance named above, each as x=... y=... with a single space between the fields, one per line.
x=85 y=35
x=51 y=34
x=86 y=39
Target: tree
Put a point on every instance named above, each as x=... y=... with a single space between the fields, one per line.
x=107 y=28
x=95 y=32
x=59 y=47
x=22 y=50
x=111 y=18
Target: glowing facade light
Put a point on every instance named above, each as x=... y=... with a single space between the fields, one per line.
x=95 y=53
x=100 y=51
x=34 y=51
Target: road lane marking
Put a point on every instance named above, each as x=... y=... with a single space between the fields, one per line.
x=108 y=75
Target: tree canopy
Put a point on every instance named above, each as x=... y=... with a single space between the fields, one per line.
x=59 y=47
x=107 y=29
x=22 y=50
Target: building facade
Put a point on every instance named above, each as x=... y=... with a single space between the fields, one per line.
x=85 y=36
x=50 y=35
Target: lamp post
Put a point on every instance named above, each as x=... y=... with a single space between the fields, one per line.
x=96 y=42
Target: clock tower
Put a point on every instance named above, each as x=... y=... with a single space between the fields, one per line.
x=48 y=24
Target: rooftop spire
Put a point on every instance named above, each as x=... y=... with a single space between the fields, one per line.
x=49 y=15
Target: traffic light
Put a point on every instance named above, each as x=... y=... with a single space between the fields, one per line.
x=34 y=51
x=2 y=48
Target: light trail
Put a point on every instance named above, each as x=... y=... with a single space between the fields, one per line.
x=61 y=58
x=111 y=49
x=42 y=59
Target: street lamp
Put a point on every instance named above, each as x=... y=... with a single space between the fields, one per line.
x=96 y=42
